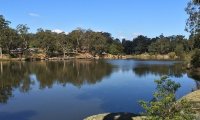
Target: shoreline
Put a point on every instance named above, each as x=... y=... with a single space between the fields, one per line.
x=137 y=57
x=147 y=56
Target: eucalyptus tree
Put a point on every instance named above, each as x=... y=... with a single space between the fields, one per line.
x=4 y=25
x=77 y=37
x=64 y=43
x=24 y=35
x=193 y=22
x=11 y=41
x=46 y=40
x=99 y=43
x=88 y=40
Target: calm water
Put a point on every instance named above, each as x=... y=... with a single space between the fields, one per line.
x=73 y=90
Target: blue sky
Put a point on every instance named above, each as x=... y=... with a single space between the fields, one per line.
x=122 y=18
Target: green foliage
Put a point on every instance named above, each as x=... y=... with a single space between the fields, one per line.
x=82 y=40
x=127 y=44
x=196 y=39
x=193 y=21
x=47 y=41
x=116 y=48
x=140 y=44
x=179 y=50
x=4 y=26
x=165 y=45
x=164 y=105
x=24 y=37
x=153 y=48
x=195 y=62
x=11 y=40
x=51 y=42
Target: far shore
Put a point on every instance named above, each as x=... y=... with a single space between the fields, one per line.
x=145 y=56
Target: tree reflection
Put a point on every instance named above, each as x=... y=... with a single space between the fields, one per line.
x=12 y=76
x=196 y=76
x=16 y=75
x=176 y=70
x=73 y=72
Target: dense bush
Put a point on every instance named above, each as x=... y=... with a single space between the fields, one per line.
x=164 y=105
x=172 y=55
x=195 y=62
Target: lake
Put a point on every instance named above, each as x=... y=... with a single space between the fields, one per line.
x=75 y=89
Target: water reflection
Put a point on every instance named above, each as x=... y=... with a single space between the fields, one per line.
x=90 y=87
x=18 y=75
x=174 y=70
x=73 y=72
x=196 y=76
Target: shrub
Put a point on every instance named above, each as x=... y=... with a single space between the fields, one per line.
x=179 y=50
x=164 y=105
x=172 y=55
x=195 y=62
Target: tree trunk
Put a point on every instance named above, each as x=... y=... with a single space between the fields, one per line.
x=64 y=54
x=1 y=52
x=1 y=68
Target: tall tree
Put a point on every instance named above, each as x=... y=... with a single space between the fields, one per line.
x=47 y=41
x=193 y=22
x=64 y=43
x=128 y=46
x=23 y=33
x=77 y=37
x=140 y=44
x=4 y=25
x=116 y=48
x=11 y=40
x=99 y=43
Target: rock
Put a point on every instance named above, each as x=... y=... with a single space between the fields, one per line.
x=115 y=116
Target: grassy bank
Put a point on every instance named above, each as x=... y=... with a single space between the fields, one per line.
x=147 y=56
x=170 y=56
x=194 y=99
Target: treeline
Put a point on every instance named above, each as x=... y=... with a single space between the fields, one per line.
x=158 y=45
x=81 y=40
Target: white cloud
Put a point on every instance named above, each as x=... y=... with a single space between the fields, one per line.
x=97 y=30
x=59 y=31
x=33 y=14
x=122 y=37
x=136 y=34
